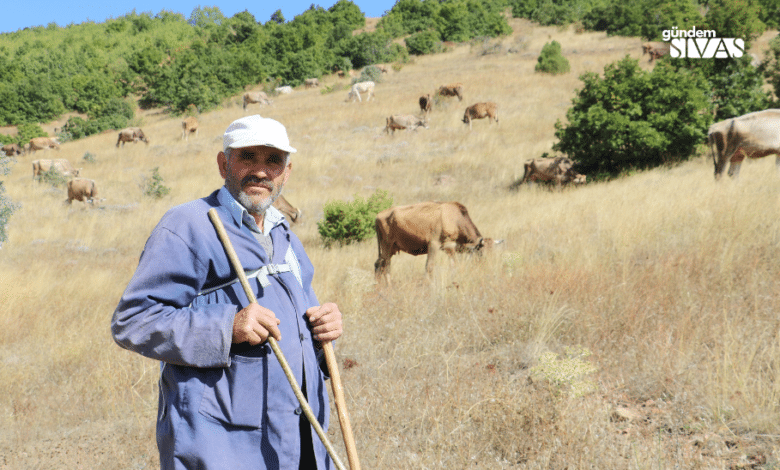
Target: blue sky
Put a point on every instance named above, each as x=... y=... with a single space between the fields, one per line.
x=19 y=14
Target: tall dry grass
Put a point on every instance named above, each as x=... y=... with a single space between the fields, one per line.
x=629 y=324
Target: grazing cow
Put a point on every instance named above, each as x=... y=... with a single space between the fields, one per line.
x=752 y=135
x=189 y=126
x=425 y=228
x=557 y=169
x=361 y=87
x=399 y=122
x=382 y=68
x=455 y=89
x=655 y=50
x=311 y=83
x=259 y=97
x=82 y=189
x=43 y=143
x=426 y=103
x=11 y=150
x=131 y=134
x=291 y=213
x=480 y=111
x=62 y=165
x=283 y=90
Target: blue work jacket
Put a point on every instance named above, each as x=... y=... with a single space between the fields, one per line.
x=223 y=406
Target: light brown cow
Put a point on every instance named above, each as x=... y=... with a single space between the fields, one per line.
x=558 y=170
x=311 y=83
x=259 y=97
x=82 y=189
x=425 y=228
x=426 y=103
x=131 y=134
x=11 y=150
x=454 y=89
x=752 y=135
x=361 y=87
x=189 y=126
x=655 y=50
x=283 y=90
x=62 y=165
x=398 y=122
x=291 y=213
x=43 y=143
x=480 y=111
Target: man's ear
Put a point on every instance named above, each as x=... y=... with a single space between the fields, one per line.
x=287 y=171
x=222 y=163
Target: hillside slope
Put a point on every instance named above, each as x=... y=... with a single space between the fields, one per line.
x=629 y=324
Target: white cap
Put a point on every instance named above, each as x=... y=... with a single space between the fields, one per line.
x=256 y=130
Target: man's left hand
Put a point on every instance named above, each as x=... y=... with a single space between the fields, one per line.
x=325 y=321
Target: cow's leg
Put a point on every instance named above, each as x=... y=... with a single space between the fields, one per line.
x=777 y=162
x=430 y=263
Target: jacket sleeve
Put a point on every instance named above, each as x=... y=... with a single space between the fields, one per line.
x=155 y=318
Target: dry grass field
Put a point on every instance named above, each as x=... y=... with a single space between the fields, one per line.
x=623 y=325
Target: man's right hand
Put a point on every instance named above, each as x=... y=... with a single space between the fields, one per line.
x=254 y=324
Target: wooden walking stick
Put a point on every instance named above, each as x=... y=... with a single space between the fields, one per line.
x=236 y=264
x=341 y=406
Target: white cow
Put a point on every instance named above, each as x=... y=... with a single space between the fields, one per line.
x=283 y=90
x=361 y=87
x=752 y=135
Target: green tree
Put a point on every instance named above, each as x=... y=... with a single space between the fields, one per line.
x=424 y=42
x=7 y=206
x=771 y=67
x=551 y=60
x=633 y=119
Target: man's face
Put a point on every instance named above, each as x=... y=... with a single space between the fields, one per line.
x=254 y=175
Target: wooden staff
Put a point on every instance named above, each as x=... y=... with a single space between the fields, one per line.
x=236 y=264
x=341 y=405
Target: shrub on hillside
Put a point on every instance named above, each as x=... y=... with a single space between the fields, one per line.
x=7 y=206
x=53 y=177
x=153 y=185
x=350 y=222
x=635 y=119
x=771 y=66
x=551 y=60
x=425 y=42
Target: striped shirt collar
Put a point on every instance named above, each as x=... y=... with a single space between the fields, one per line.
x=241 y=216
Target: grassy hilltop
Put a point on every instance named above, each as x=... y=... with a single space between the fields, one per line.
x=630 y=324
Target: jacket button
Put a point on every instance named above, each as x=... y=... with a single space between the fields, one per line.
x=301 y=336
x=298 y=411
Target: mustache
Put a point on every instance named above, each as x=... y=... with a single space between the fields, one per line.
x=252 y=179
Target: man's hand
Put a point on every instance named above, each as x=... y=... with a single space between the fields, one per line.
x=254 y=324
x=325 y=321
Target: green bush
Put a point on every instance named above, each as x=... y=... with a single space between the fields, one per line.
x=153 y=186
x=350 y=222
x=425 y=42
x=634 y=119
x=53 y=177
x=7 y=206
x=551 y=60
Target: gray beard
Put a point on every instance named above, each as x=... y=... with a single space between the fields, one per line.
x=260 y=208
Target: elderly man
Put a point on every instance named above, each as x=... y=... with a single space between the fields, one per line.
x=225 y=402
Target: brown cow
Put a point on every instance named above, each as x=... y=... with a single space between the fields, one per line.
x=43 y=143
x=62 y=165
x=752 y=135
x=131 y=134
x=311 y=83
x=426 y=103
x=655 y=50
x=398 y=122
x=558 y=169
x=259 y=97
x=455 y=89
x=188 y=126
x=82 y=189
x=425 y=228
x=11 y=150
x=480 y=111
x=291 y=213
